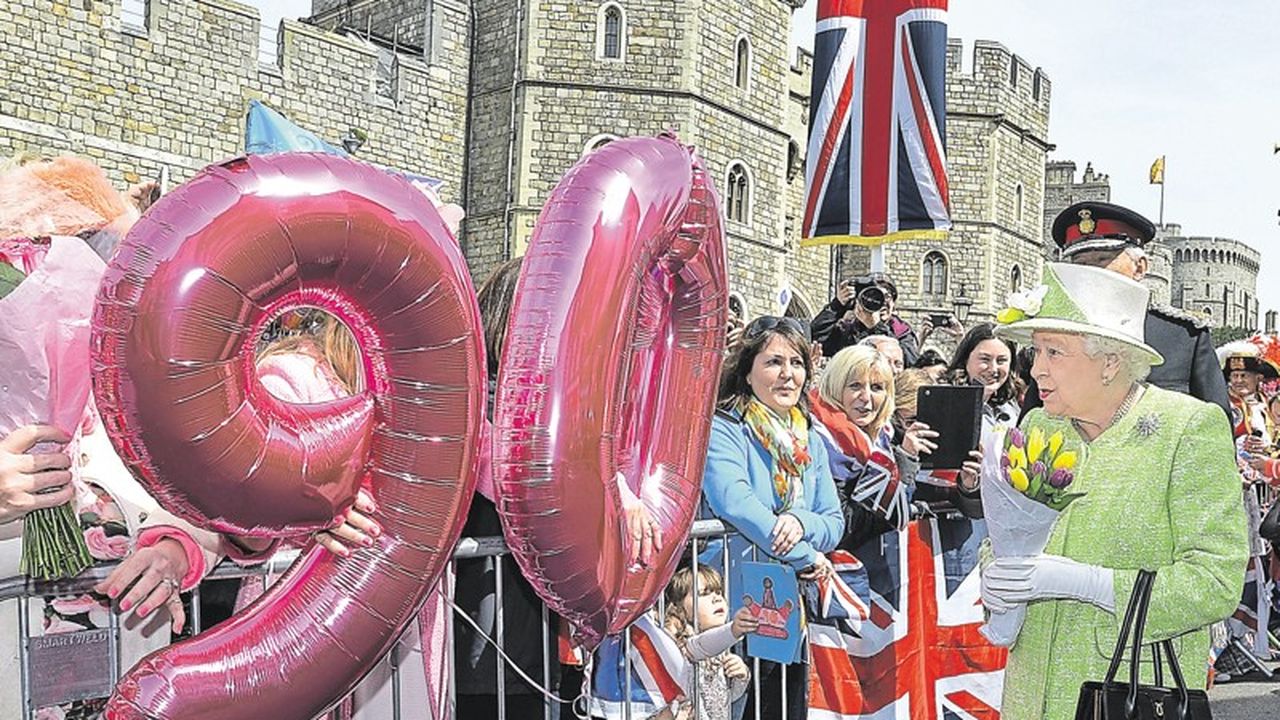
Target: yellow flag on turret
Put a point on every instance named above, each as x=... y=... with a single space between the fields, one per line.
x=1157 y=171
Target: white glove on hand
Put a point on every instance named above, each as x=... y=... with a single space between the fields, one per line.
x=1008 y=582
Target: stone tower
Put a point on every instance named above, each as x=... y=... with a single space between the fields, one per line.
x=1062 y=190
x=554 y=80
x=997 y=130
x=1215 y=277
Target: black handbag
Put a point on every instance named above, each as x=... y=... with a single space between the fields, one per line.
x=1270 y=528
x=1111 y=700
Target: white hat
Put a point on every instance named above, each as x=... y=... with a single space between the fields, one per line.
x=1081 y=300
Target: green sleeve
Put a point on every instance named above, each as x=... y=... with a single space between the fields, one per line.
x=1210 y=536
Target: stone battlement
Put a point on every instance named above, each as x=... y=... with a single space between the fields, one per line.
x=171 y=89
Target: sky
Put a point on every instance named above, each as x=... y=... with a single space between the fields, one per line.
x=1130 y=81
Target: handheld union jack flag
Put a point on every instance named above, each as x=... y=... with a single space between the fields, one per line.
x=876 y=169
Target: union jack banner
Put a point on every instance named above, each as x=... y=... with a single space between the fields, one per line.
x=916 y=654
x=659 y=672
x=876 y=163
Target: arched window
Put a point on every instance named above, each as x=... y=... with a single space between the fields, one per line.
x=934 y=276
x=1013 y=71
x=611 y=32
x=794 y=164
x=738 y=191
x=1017 y=203
x=742 y=67
x=1015 y=279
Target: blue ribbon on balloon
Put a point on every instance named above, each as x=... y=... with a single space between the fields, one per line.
x=267 y=131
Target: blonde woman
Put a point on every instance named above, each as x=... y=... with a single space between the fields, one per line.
x=852 y=407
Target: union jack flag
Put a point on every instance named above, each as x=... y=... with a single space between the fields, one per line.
x=876 y=168
x=918 y=654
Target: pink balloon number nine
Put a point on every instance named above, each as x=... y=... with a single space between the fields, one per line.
x=175 y=328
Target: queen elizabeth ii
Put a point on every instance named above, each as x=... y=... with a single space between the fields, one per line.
x=1160 y=492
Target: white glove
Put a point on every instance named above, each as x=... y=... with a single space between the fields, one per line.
x=1008 y=582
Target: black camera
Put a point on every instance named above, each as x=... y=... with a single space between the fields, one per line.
x=872 y=299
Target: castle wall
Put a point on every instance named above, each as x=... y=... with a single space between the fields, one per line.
x=174 y=94
x=676 y=73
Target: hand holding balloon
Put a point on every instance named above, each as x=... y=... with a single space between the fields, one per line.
x=358 y=528
x=645 y=536
x=155 y=574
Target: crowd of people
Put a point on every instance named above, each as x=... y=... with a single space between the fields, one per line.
x=815 y=447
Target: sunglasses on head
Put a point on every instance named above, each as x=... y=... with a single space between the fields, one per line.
x=766 y=323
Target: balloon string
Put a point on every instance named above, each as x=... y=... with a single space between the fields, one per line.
x=512 y=664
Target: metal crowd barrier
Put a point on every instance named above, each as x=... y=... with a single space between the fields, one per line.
x=23 y=590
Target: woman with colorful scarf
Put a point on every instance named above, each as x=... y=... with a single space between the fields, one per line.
x=768 y=478
x=852 y=407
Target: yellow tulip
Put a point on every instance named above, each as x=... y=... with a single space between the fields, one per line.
x=1035 y=444
x=1017 y=457
x=1065 y=461
x=1018 y=478
x=1055 y=443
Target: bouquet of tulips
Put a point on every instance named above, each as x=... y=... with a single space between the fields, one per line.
x=1025 y=487
x=1039 y=467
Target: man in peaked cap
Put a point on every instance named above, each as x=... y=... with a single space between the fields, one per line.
x=1112 y=237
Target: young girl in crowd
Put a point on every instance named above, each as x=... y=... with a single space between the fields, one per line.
x=721 y=676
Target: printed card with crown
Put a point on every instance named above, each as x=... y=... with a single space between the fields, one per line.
x=771 y=594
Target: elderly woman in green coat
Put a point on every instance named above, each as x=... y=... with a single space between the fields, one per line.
x=1161 y=492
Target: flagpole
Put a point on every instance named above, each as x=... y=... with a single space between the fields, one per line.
x=1164 y=174
x=877 y=258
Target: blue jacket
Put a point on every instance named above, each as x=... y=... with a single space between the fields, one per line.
x=737 y=487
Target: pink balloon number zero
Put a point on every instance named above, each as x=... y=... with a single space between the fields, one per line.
x=609 y=375
x=178 y=316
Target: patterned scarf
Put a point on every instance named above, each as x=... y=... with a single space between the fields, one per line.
x=788 y=444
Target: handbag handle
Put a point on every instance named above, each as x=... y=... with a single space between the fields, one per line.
x=1184 y=695
x=1136 y=620
x=1135 y=664
x=1140 y=587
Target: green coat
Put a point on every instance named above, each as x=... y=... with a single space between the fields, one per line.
x=1163 y=493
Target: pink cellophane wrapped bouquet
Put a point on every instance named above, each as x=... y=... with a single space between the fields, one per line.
x=45 y=377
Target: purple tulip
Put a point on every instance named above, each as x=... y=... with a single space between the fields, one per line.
x=1038 y=469
x=1004 y=463
x=1018 y=438
x=1060 y=479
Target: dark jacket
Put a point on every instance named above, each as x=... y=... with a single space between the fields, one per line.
x=836 y=333
x=1190 y=364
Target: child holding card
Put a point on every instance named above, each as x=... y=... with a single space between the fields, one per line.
x=702 y=629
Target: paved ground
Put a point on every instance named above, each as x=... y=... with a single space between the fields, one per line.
x=1252 y=697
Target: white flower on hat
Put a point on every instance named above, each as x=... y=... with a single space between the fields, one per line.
x=1022 y=305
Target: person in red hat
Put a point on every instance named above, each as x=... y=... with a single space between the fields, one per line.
x=1113 y=237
